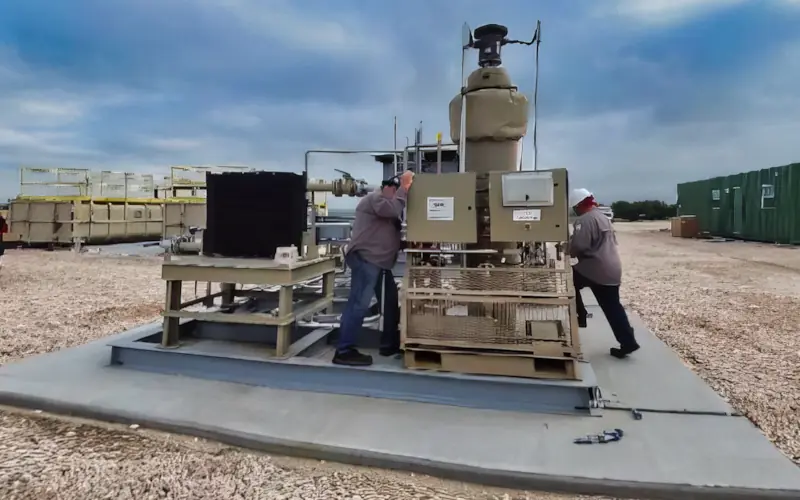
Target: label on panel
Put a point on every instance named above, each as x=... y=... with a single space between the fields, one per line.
x=529 y=215
x=441 y=208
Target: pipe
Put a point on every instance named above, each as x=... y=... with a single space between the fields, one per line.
x=434 y=145
x=394 y=161
x=342 y=152
x=418 y=151
x=321 y=319
x=313 y=224
x=439 y=153
x=312 y=324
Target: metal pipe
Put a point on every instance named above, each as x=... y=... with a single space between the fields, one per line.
x=313 y=224
x=342 y=152
x=394 y=162
x=417 y=152
x=462 y=140
x=431 y=146
x=439 y=153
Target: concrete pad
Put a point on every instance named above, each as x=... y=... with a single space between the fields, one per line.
x=653 y=378
x=661 y=456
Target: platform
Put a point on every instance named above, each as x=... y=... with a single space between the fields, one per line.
x=688 y=444
x=242 y=354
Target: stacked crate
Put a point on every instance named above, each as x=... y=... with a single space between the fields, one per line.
x=507 y=321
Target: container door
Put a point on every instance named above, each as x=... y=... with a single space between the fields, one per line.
x=738 y=206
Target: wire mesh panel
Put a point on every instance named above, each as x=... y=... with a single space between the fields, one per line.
x=195 y=175
x=541 y=326
x=53 y=182
x=531 y=282
x=122 y=185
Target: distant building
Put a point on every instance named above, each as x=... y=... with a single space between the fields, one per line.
x=762 y=205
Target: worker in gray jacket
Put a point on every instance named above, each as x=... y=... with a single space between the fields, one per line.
x=371 y=254
x=599 y=268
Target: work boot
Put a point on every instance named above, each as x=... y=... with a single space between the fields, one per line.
x=352 y=358
x=622 y=352
x=388 y=351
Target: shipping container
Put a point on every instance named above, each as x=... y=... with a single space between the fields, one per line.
x=762 y=205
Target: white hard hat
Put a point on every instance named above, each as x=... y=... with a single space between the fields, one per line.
x=578 y=195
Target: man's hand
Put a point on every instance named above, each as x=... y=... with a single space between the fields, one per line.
x=406 y=179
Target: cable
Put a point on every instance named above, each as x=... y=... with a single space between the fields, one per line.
x=536 y=98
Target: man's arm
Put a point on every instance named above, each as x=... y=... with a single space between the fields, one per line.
x=581 y=240
x=390 y=208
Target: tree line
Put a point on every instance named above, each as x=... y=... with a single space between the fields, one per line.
x=643 y=210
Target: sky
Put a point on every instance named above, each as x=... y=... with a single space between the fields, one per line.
x=634 y=96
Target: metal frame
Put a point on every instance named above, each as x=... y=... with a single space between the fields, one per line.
x=231 y=271
x=303 y=370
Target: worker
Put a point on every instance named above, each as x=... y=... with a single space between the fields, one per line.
x=372 y=253
x=599 y=268
x=3 y=230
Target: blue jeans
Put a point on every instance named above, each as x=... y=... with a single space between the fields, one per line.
x=366 y=281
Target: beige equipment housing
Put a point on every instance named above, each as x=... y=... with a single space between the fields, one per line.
x=498 y=298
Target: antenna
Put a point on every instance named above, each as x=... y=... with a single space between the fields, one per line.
x=537 y=37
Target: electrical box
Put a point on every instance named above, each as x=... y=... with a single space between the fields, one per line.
x=441 y=209
x=528 y=189
x=523 y=208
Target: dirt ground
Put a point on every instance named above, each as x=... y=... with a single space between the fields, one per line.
x=730 y=310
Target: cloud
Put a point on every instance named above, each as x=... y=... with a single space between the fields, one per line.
x=669 y=11
x=633 y=99
x=280 y=22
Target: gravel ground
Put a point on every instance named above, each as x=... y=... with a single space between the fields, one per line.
x=53 y=300
x=48 y=458
x=729 y=309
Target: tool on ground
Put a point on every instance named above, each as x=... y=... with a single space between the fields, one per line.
x=637 y=415
x=602 y=438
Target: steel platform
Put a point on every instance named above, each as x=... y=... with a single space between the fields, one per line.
x=245 y=354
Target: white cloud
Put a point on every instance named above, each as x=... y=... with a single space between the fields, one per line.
x=290 y=26
x=662 y=12
x=670 y=12
x=173 y=144
x=236 y=117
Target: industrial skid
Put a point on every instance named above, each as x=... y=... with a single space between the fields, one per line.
x=485 y=290
x=501 y=302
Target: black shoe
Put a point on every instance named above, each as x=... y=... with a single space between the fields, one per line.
x=352 y=358
x=581 y=322
x=622 y=352
x=389 y=351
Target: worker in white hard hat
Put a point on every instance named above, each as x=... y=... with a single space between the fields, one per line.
x=599 y=268
x=3 y=230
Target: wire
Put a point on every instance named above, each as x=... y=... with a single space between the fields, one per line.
x=536 y=96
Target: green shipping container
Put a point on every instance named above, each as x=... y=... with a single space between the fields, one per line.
x=762 y=205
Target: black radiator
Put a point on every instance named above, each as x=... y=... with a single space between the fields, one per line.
x=251 y=214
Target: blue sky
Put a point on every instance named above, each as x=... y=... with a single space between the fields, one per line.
x=635 y=96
